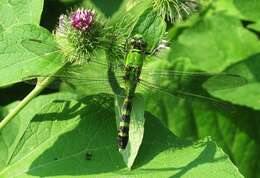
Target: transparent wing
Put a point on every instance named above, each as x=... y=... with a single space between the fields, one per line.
x=91 y=78
x=97 y=75
x=86 y=78
x=176 y=92
x=43 y=50
x=45 y=53
x=160 y=92
x=189 y=85
x=39 y=47
x=211 y=81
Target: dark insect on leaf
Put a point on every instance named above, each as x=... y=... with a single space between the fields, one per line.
x=88 y=156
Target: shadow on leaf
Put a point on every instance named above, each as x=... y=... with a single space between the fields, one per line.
x=80 y=139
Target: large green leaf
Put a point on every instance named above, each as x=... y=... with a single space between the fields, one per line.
x=175 y=113
x=11 y=134
x=19 y=61
x=249 y=8
x=209 y=45
x=237 y=132
x=14 y=12
x=228 y=7
x=152 y=27
x=213 y=44
x=235 y=129
x=78 y=139
x=246 y=95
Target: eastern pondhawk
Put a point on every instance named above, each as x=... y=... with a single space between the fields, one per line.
x=134 y=76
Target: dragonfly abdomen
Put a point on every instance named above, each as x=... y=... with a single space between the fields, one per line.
x=123 y=131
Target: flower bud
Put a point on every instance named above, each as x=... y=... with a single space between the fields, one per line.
x=82 y=19
x=79 y=35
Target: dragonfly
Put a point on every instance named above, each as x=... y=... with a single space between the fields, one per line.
x=132 y=75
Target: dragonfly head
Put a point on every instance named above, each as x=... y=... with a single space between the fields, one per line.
x=137 y=42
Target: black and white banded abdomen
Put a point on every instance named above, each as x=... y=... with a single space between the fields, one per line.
x=123 y=130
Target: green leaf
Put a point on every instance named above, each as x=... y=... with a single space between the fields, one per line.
x=71 y=138
x=5 y=110
x=128 y=14
x=22 y=61
x=1 y=32
x=179 y=158
x=175 y=113
x=249 y=8
x=255 y=26
x=228 y=7
x=14 y=12
x=213 y=44
x=246 y=95
x=152 y=27
x=136 y=129
x=108 y=8
x=236 y=131
x=11 y=134
x=92 y=78
x=209 y=45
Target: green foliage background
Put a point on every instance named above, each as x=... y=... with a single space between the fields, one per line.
x=53 y=133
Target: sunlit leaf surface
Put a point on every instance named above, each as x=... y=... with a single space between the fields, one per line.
x=70 y=138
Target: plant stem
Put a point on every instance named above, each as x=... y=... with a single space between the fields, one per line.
x=38 y=88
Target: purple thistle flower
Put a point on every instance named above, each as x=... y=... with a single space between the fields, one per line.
x=82 y=19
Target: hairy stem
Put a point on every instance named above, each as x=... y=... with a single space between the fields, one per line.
x=25 y=101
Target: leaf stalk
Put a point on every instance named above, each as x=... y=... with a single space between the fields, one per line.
x=35 y=92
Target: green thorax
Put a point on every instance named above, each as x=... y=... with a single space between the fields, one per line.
x=134 y=63
x=135 y=58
